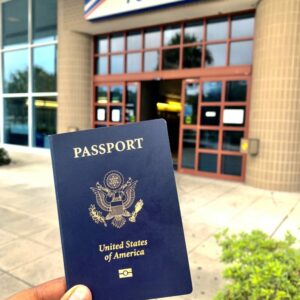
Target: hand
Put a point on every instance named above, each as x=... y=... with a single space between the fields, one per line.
x=54 y=290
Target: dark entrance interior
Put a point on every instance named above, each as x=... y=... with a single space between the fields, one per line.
x=162 y=99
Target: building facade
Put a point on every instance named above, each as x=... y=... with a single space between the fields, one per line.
x=217 y=71
x=28 y=72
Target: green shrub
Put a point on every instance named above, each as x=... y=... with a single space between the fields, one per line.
x=4 y=158
x=260 y=267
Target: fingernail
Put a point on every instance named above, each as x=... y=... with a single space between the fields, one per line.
x=80 y=293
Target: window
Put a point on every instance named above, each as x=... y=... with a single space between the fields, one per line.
x=208 y=42
x=44 y=20
x=15 y=71
x=15 y=23
x=29 y=91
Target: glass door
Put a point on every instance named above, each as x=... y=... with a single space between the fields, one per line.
x=213 y=121
x=116 y=103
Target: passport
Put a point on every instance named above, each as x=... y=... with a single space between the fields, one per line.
x=119 y=215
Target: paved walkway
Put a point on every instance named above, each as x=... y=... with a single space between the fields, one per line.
x=30 y=251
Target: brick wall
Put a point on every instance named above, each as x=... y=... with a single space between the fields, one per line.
x=275 y=100
x=74 y=73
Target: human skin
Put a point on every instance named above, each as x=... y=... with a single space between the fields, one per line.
x=54 y=290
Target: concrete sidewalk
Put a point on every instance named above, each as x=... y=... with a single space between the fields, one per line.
x=30 y=251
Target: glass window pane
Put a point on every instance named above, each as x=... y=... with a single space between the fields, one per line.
x=16 y=121
x=232 y=140
x=117 y=64
x=131 y=103
x=234 y=116
x=151 y=61
x=192 y=57
x=101 y=114
x=134 y=40
x=212 y=91
x=101 y=94
x=193 y=32
x=236 y=90
x=242 y=26
x=210 y=115
x=188 y=149
x=117 y=43
x=171 y=59
x=152 y=38
x=215 y=55
x=209 y=139
x=15 y=23
x=15 y=77
x=44 y=20
x=232 y=165
x=102 y=62
x=217 y=29
x=172 y=35
x=116 y=94
x=191 y=103
x=207 y=162
x=116 y=114
x=44 y=120
x=134 y=61
x=241 y=53
x=102 y=44
x=44 y=69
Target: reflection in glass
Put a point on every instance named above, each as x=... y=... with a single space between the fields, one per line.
x=217 y=54
x=16 y=121
x=210 y=115
x=134 y=40
x=14 y=23
x=102 y=44
x=236 y=90
x=172 y=35
x=117 y=64
x=193 y=32
x=242 y=26
x=102 y=62
x=151 y=61
x=15 y=71
x=188 y=149
x=241 y=53
x=152 y=38
x=171 y=59
x=192 y=57
x=191 y=103
x=211 y=91
x=131 y=103
x=116 y=94
x=101 y=114
x=209 y=139
x=217 y=29
x=116 y=114
x=232 y=140
x=44 y=69
x=44 y=20
x=134 y=61
x=207 y=162
x=101 y=94
x=44 y=120
x=117 y=43
x=234 y=116
x=231 y=165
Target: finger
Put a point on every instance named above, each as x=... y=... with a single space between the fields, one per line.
x=78 y=292
x=51 y=290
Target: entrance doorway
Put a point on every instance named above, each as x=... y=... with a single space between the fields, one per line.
x=162 y=99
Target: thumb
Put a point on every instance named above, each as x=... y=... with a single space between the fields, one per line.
x=78 y=292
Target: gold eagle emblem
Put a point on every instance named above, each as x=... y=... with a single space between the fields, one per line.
x=115 y=197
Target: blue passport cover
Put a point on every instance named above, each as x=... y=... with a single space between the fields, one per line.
x=119 y=215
